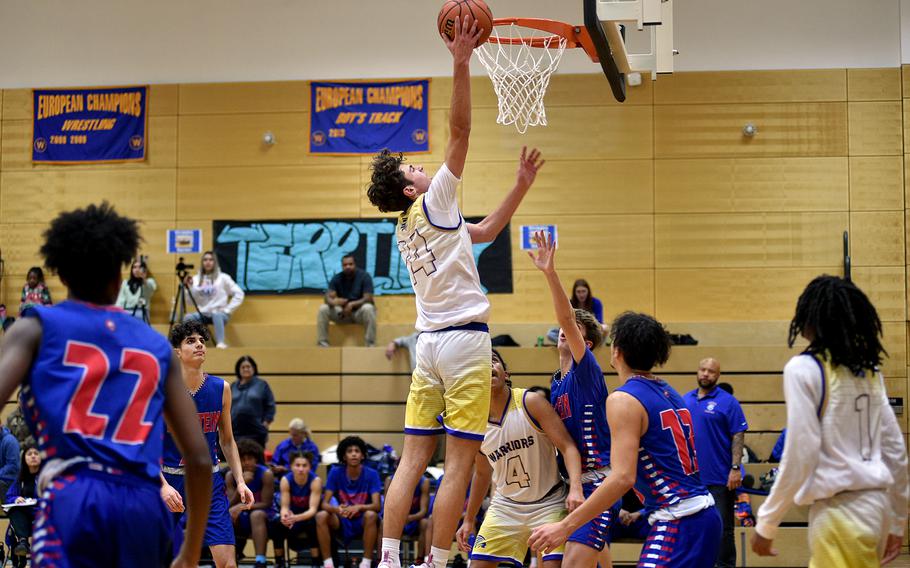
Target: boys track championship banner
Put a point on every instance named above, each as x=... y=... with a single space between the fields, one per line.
x=301 y=257
x=364 y=118
x=79 y=126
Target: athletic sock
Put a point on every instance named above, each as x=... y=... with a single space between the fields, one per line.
x=260 y=558
x=439 y=556
x=327 y=563
x=391 y=548
x=366 y=563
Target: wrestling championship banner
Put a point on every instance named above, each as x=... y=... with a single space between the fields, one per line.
x=80 y=126
x=364 y=118
x=301 y=257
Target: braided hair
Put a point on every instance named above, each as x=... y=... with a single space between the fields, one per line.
x=840 y=322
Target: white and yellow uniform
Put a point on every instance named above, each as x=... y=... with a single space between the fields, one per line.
x=529 y=492
x=452 y=376
x=845 y=456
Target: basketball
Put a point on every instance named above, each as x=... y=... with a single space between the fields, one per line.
x=473 y=9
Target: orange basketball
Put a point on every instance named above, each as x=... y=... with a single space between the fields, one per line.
x=471 y=9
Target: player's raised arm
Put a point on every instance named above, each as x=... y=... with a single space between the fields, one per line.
x=467 y=35
x=552 y=426
x=545 y=261
x=182 y=422
x=487 y=230
x=16 y=355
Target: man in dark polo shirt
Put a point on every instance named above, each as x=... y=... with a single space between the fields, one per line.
x=720 y=432
x=349 y=299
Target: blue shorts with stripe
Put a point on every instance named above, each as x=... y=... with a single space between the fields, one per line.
x=94 y=518
x=596 y=532
x=219 y=529
x=687 y=542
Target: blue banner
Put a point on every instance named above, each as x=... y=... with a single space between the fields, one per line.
x=78 y=126
x=364 y=118
x=301 y=257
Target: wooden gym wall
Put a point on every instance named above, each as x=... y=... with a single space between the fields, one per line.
x=663 y=205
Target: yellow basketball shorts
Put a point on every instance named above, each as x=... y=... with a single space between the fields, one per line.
x=849 y=529
x=503 y=536
x=450 y=387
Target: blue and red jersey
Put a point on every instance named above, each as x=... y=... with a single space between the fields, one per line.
x=209 y=399
x=667 y=464
x=580 y=399
x=300 y=494
x=96 y=387
x=353 y=491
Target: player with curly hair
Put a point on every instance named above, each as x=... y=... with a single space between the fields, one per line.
x=452 y=376
x=97 y=388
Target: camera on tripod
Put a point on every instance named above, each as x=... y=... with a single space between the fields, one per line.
x=183 y=269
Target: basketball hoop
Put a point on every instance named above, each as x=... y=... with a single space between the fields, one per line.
x=520 y=57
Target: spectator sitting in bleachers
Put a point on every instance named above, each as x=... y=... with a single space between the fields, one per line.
x=216 y=295
x=136 y=292
x=582 y=299
x=35 y=292
x=300 y=496
x=21 y=518
x=9 y=459
x=349 y=299
x=299 y=441
x=253 y=521
x=356 y=513
x=252 y=402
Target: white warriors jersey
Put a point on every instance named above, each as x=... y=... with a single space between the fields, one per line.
x=522 y=456
x=841 y=436
x=434 y=243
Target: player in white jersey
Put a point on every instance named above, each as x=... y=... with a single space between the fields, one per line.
x=844 y=453
x=519 y=455
x=452 y=376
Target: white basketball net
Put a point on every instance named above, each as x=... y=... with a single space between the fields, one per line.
x=521 y=74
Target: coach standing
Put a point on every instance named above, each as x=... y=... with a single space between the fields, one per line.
x=720 y=431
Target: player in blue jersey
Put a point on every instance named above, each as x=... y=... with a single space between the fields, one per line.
x=578 y=391
x=653 y=447
x=301 y=494
x=212 y=396
x=97 y=387
x=253 y=521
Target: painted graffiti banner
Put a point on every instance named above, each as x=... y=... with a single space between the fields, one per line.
x=300 y=257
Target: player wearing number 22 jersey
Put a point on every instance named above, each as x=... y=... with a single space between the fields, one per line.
x=95 y=385
x=653 y=447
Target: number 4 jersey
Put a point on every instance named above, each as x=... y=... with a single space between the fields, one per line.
x=96 y=387
x=522 y=456
x=667 y=476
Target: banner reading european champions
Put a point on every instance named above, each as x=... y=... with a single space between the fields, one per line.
x=364 y=118
x=89 y=125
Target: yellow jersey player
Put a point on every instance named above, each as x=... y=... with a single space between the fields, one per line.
x=844 y=454
x=452 y=377
x=519 y=454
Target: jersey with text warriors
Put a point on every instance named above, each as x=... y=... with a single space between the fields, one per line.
x=667 y=470
x=96 y=387
x=522 y=456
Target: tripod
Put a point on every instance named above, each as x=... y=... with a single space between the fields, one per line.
x=180 y=302
x=145 y=313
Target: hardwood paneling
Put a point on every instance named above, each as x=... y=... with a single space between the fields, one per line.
x=875 y=128
x=877 y=238
x=38 y=196
x=784 y=129
x=577 y=133
x=563 y=187
x=245 y=98
x=750 y=184
x=874 y=84
x=751 y=86
x=876 y=183
x=280 y=192
x=748 y=240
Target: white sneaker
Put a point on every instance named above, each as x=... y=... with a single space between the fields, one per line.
x=222 y=345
